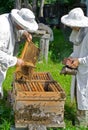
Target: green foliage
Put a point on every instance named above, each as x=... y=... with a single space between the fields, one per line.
x=71 y=2
x=5 y=125
x=50 y=1
x=6 y=6
x=60 y=1
x=59 y=48
x=6 y=115
x=63 y=1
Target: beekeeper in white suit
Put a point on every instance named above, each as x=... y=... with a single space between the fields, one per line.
x=79 y=59
x=12 y=25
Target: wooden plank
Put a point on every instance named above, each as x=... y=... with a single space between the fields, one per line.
x=41 y=87
x=51 y=110
x=28 y=85
x=38 y=96
x=45 y=106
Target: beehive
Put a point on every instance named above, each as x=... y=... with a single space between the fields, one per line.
x=39 y=100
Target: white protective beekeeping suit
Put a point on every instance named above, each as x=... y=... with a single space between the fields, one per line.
x=9 y=31
x=7 y=43
x=80 y=51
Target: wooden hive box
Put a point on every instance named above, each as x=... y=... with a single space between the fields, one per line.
x=37 y=98
x=39 y=101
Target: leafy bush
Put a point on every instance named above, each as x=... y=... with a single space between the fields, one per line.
x=6 y=6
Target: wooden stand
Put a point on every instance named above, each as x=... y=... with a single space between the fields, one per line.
x=44 y=44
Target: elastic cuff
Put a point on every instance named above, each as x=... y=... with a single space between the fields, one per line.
x=13 y=61
x=80 y=60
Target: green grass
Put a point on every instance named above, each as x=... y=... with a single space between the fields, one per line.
x=59 y=49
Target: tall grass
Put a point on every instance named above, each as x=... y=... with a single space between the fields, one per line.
x=59 y=49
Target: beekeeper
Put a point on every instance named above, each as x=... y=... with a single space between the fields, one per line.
x=79 y=59
x=12 y=26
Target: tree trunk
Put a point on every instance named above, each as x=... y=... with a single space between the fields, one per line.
x=17 y=4
x=22 y=4
x=41 y=8
x=34 y=6
x=26 y=3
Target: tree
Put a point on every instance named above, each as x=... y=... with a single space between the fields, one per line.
x=6 y=6
x=41 y=8
x=21 y=3
x=34 y=3
x=17 y=4
x=34 y=6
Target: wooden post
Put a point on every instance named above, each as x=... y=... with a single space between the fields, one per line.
x=44 y=46
x=42 y=43
x=46 y=49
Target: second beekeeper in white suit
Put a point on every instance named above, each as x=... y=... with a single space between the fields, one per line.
x=76 y=20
